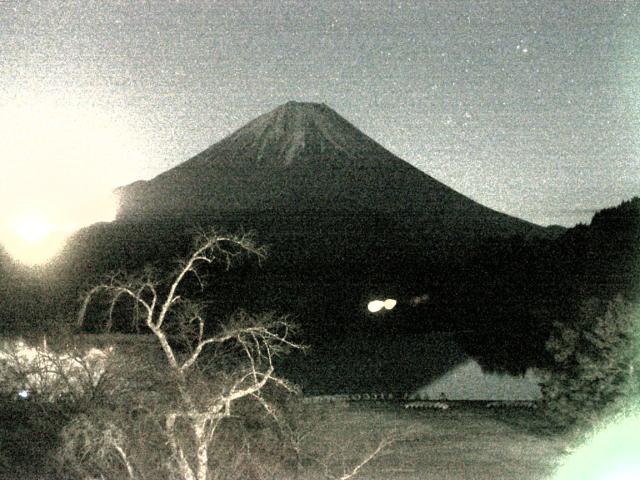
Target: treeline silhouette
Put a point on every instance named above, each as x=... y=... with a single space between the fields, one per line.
x=523 y=287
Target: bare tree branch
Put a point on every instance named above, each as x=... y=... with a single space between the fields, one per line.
x=383 y=444
x=259 y=338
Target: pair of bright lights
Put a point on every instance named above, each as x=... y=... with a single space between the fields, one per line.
x=376 y=305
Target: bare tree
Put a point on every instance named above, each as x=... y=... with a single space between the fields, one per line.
x=165 y=311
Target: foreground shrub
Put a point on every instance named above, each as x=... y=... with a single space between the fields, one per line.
x=29 y=434
x=47 y=382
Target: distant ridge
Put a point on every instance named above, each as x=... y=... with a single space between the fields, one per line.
x=306 y=157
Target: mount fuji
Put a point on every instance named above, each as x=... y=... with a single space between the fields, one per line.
x=305 y=157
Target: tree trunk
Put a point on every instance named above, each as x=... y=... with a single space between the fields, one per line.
x=186 y=473
x=202 y=445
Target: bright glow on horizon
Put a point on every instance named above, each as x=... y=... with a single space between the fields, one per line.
x=390 y=303
x=33 y=229
x=31 y=239
x=61 y=162
x=36 y=236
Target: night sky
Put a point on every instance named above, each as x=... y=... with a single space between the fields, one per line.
x=531 y=108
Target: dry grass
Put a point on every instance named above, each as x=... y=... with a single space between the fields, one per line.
x=460 y=443
x=457 y=444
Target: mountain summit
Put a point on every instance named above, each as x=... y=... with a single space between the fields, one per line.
x=305 y=157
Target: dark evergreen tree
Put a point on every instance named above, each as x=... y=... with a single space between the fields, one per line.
x=597 y=362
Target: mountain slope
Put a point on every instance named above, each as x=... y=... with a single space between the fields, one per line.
x=305 y=157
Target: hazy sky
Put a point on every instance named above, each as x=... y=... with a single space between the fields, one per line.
x=532 y=108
